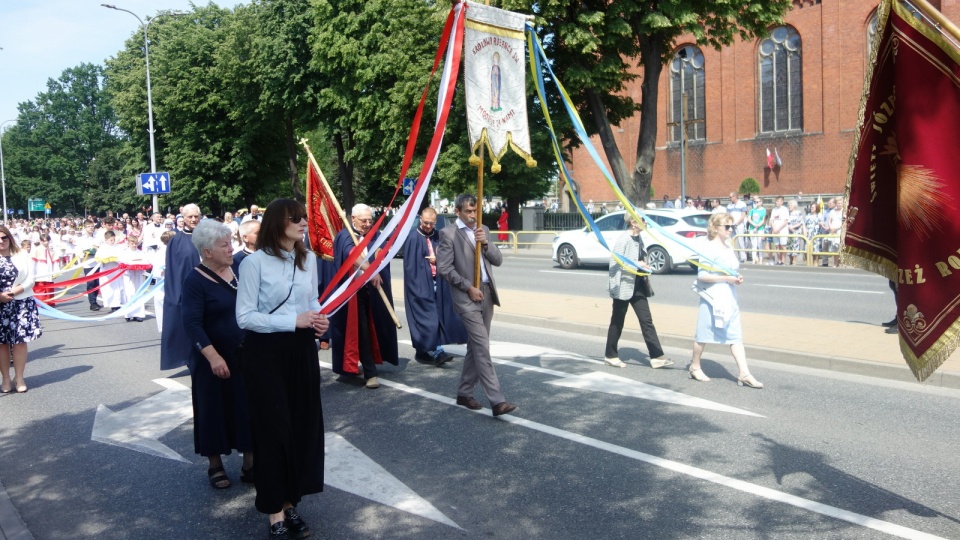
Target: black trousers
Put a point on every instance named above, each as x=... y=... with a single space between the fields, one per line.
x=642 y=308
x=92 y=284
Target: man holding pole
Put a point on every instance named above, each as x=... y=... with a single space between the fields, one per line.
x=473 y=300
x=362 y=333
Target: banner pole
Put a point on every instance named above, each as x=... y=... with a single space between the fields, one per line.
x=945 y=25
x=479 y=206
x=348 y=225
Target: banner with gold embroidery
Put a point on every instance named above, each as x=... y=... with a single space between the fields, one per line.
x=323 y=219
x=904 y=183
x=495 y=89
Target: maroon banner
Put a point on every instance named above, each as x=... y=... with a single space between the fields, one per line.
x=904 y=186
x=323 y=220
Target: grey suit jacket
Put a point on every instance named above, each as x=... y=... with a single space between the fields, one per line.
x=455 y=263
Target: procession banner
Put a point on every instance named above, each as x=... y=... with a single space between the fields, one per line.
x=493 y=66
x=904 y=183
x=323 y=221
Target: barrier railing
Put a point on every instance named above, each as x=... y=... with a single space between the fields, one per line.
x=513 y=243
x=773 y=240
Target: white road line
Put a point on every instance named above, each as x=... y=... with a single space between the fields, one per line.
x=574 y=273
x=820 y=289
x=696 y=472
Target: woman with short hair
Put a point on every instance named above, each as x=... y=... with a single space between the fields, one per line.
x=19 y=317
x=278 y=307
x=718 y=318
x=208 y=304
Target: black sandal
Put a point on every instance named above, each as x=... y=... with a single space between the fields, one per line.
x=218 y=478
x=246 y=475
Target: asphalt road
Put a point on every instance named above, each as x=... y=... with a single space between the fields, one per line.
x=839 y=294
x=592 y=452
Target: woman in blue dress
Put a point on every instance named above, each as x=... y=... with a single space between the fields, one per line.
x=19 y=318
x=718 y=320
x=221 y=422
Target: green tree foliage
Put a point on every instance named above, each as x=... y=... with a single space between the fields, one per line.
x=749 y=185
x=47 y=154
x=221 y=152
x=595 y=43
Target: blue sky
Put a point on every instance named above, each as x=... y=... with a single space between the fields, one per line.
x=41 y=38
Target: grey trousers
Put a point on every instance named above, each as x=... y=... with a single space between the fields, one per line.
x=477 y=366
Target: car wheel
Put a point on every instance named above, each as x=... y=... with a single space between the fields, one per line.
x=659 y=260
x=567 y=257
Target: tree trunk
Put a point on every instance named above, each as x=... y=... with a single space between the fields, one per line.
x=345 y=172
x=617 y=165
x=651 y=52
x=292 y=160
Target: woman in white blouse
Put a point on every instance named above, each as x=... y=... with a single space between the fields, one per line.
x=278 y=307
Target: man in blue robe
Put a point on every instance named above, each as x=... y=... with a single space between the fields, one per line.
x=426 y=295
x=362 y=332
x=182 y=258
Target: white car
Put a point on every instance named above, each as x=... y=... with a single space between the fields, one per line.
x=581 y=247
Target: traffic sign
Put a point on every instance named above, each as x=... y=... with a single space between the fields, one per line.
x=153 y=183
x=35 y=205
x=408 y=184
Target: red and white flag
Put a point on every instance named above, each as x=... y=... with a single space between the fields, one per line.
x=769 y=159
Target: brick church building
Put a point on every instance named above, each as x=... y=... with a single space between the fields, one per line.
x=795 y=92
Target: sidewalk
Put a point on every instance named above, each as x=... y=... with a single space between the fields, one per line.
x=856 y=348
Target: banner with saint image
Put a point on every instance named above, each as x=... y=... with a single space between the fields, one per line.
x=493 y=50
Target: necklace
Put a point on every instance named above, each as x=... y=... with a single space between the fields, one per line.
x=233 y=282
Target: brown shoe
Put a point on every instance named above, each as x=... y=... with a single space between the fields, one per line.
x=469 y=403
x=503 y=408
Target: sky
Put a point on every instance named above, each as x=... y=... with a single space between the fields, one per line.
x=41 y=38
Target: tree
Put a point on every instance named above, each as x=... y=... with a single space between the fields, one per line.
x=596 y=43
x=57 y=136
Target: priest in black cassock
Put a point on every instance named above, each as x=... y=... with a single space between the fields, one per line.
x=426 y=296
x=362 y=332
x=182 y=257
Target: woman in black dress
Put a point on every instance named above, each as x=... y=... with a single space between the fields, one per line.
x=221 y=421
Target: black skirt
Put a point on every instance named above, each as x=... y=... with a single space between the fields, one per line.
x=282 y=374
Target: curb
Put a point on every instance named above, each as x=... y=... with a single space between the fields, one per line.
x=12 y=526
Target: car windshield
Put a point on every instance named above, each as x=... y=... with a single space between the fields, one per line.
x=612 y=222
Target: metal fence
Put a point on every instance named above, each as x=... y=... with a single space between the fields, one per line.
x=564 y=221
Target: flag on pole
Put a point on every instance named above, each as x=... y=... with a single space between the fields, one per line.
x=493 y=67
x=769 y=159
x=904 y=183
x=777 y=156
x=323 y=219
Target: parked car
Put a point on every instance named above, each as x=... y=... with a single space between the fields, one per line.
x=581 y=247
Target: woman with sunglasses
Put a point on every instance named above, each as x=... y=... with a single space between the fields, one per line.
x=718 y=320
x=19 y=319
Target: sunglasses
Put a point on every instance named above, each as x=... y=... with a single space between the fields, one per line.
x=728 y=227
x=3 y=238
x=296 y=219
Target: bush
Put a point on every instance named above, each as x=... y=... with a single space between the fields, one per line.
x=749 y=185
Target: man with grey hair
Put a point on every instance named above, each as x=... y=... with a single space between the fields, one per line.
x=362 y=333
x=181 y=259
x=253 y=215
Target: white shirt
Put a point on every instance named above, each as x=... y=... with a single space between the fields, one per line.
x=84 y=243
x=151 y=235
x=473 y=241
x=264 y=283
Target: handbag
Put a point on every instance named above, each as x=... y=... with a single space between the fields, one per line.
x=646 y=287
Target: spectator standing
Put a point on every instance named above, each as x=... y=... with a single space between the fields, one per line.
x=796 y=224
x=738 y=211
x=756 y=223
x=779 y=221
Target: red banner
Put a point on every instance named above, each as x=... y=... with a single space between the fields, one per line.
x=323 y=219
x=904 y=186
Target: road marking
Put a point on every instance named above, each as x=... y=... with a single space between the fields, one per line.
x=139 y=426
x=574 y=273
x=348 y=469
x=819 y=289
x=675 y=466
x=596 y=381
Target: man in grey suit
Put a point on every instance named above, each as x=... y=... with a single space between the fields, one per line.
x=456 y=263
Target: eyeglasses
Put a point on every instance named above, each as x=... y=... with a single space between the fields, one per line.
x=728 y=227
x=431 y=223
x=364 y=220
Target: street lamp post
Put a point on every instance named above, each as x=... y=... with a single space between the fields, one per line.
x=146 y=52
x=3 y=174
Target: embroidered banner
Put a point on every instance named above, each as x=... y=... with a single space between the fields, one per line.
x=904 y=184
x=323 y=220
x=493 y=48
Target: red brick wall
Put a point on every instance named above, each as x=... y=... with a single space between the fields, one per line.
x=833 y=34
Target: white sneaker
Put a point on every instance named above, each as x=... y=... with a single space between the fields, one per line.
x=372 y=382
x=660 y=362
x=615 y=362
